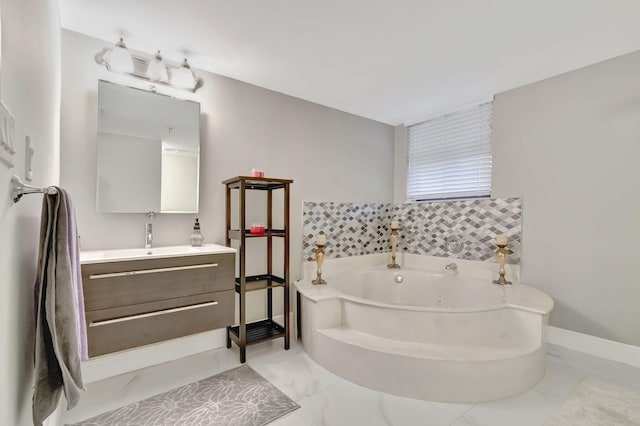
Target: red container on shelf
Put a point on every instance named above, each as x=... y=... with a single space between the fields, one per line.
x=257 y=173
x=256 y=229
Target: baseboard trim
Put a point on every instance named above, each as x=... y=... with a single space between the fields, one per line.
x=596 y=346
x=105 y=366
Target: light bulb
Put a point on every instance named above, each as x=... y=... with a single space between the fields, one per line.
x=183 y=76
x=157 y=71
x=119 y=59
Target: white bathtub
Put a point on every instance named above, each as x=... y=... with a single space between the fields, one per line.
x=437 y=335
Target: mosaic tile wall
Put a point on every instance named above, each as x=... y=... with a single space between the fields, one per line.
x=354 y=229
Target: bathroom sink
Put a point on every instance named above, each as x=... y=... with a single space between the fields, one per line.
x=99 y=256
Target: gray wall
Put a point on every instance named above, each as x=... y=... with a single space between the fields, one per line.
x=30 y=88
x=570 y=146
x=331 y=155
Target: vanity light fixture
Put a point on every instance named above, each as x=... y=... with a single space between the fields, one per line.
x=183 y=76
x=154 y=70
x=119 y=59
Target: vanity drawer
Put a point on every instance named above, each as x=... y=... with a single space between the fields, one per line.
x=114 y=284
x=116 y=329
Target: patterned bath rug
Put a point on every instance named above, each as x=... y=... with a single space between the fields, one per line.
x=597 y=402
x=239 y=397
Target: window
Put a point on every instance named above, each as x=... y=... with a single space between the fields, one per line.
x=450 y=156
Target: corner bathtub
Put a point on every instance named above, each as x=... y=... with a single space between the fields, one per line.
x=435 y=336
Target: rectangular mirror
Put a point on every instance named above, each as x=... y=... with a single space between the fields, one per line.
x=148 y=151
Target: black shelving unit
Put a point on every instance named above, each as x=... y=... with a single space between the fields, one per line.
x=245 y=333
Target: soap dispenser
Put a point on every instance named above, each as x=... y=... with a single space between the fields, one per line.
x=196 y=238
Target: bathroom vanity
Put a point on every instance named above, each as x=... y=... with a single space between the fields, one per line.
x=141 y=296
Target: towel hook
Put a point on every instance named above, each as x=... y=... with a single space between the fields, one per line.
x=19 y=188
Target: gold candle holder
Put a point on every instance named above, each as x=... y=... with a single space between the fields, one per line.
x=502 y=254
x=319 y=261
x=394 y=247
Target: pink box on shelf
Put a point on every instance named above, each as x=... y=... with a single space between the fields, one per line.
x=256 y=229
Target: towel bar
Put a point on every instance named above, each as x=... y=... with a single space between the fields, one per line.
x=19 y=188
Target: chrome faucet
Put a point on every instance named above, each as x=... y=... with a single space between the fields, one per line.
x=451 y=267
x=148 y=231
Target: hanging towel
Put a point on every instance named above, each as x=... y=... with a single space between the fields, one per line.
x=58 y=297
x=74 y=254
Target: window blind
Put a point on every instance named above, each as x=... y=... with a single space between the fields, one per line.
x=450 y=156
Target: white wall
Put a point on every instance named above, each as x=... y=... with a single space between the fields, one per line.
x=30 y=74
x=331 y=155
x=400 y=165
x=570 y=146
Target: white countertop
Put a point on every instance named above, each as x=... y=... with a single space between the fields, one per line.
x=116 y=255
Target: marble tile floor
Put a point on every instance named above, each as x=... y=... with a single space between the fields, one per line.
x=327 y=399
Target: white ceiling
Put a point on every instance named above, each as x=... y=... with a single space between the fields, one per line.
x=391 y=61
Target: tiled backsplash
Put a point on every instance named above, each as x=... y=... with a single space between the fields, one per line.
x=354 y=229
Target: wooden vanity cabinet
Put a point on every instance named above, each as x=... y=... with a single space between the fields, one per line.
x=137 y=302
